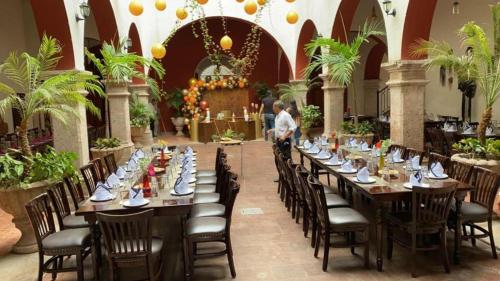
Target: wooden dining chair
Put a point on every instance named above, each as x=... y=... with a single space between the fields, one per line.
x=281 y=178
x=437 y=140
x=75 y=190
x=101 y=171
x=450 y=139
x=289 y=172
x=210 y=229
x=480 y=208
x=411 y=152
x=56 y=244
x=89 y=173
x=110 y=162
x=461 y=172
x=203 y=194
x=301 y=205
x=212 y=173
x=345 y=221
x=130 y=244
x=429 y=212
x=444 y=160
x=59 y=199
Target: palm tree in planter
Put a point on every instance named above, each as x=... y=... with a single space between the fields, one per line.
x=289 y=92
x=340 y=58
x=481 y=65
x=117 y=68
x=24 y=174
x=141 y=115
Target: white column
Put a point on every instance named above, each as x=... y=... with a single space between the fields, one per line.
x=142 y=91
x=118 y=99
x=407 y=85
x=370 y=91
x=302 y=100
x=334 y=105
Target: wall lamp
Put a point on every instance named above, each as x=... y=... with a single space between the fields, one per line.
x=84 y=12
x=389 y=10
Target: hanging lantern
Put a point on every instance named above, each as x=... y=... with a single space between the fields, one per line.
x=158 y=51
x=181 y=13
x=290 y=1
x=135 y=7
x=226 y=42
x=250 y=7
x=262 y=2
x=240 y=1
x=292 y=17
x=202 y=2
x=161 y=5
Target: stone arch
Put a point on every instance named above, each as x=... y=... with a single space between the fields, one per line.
x=421 y=11
x=307 y=33
x=374 y=59
x=105 y=20
x=344 y=18
x=133 y=35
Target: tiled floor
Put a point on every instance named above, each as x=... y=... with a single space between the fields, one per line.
x=270 y=246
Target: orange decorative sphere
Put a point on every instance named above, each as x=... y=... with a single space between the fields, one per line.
x=135 y=7
x=202 y=2
x=250 y=7
x=192 y=82
x=290 y=1
x=240 y=1
x=161 y=5
x=226 y=42
x=158 y=51
x=181 y=13
x=262 y=2
x=292 y=17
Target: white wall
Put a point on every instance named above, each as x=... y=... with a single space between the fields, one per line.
x=445 y=100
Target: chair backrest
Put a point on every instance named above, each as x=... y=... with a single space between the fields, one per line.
x=234 y=189
x=75 y=190
x=437 y=139
x=486 y=183
x=318 y=193
x=40 y=215
x=59 y=199
x=219 y=166
x=430 y=206
x=435 y=157
x=298 y=185
x=394 y=147
x=218 y=156
x=289 y=171
x=100 y=171
x=311 y=204
x=450 y=138
x=224 y=190
x=110 y=162
x=410 y=153
x=127 y=236
x=461 y=171
x=223 y=169
x=90 y=177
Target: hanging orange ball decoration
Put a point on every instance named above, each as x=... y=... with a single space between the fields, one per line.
x=192 y=82
x=181 y=13
x=292 y=17
x=226 y=42
x=202 y=2
x=135 y=7
x=250 y=7
x=240 y=1
x=290 y=1
x=161 y=5
x=262 y=2
x=158 y=51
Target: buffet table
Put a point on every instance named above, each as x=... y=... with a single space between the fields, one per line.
x=216 y=127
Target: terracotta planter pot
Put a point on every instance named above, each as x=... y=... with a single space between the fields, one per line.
x=368 y=138
x=121 y=153
x=13 y=201
x=137 y=134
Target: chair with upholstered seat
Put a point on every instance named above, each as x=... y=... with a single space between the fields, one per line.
x=89 y=173
x=130 y=244
x=59 y=199
x=203 y=193
x=215 y=209
x=75 y=190
x=342 y=220
x=56 y=244
x=211 y=188
x=210 y=229
x=480 y=207
x=462 y=172
x=429 y=211
x=208 y=172
x=110 y=162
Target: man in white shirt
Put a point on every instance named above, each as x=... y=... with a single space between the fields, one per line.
x=284 y=129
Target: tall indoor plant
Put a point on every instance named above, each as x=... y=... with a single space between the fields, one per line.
x=481 y=65
x=289 y=92
x=341 y=58
x=141 y=115
x=310 y=116
x=175 y=100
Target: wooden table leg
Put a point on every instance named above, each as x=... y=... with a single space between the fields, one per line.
x=379 y=235
x=302 y=159
x=459 y=198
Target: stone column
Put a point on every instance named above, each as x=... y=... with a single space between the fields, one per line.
x=333 y=104
x=142 y=91
x=407 y=85
x=370 y=91
x=118 y=99
x=302 y=101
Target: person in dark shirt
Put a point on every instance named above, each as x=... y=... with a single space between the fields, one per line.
x=266 y=112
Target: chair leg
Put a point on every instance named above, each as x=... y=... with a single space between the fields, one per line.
x=328 y=179
x=464 y=231
x=297 y=212
x=492 y=239
x=187 y=258
x=367 y=248
x=472 y=238
x=111 y=271
x=79 y=266
x=413 y=255
x=317 y=242
x=352 y=237
x=305 y=221
x=444 y=251
x=294 y=205
x=230 y=259
x=55 y=265
x=326 y=250
x=314 y=231
x=40 y=265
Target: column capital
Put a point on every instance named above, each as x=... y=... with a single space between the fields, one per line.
x=140 y=89
x=328 y=84
x=114 y=89
x=298 y=81
x=406 y=72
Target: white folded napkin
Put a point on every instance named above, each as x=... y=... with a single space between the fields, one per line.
x=347 y=166
x=314 y=149
x=135 y=196
x=489 y=131
x=334 y=160
x=468 y=130
x=132 y=165
x=364 y=146
x=324 y=140
x=446 y=126
x=436 y=170
x=102 y=192
x=363 y=175
x=416 y=179
x=396 y=156
x=139 y=153
x=353 y=142
x=181 y=186
x=324 y=153
x=307 y=144
x=113 y=180
x=415 y=162
x=120 y=172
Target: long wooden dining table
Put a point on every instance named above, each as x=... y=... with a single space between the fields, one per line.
x=384 y=193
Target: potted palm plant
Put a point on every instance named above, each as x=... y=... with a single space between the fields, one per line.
x=480 y=66
x=23 y=174
x=141 y=115
x=340 y=58
x=310 y=116
x=175 y=100
x=293 y=92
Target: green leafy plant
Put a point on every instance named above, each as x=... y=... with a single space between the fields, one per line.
x=474 y=148
x=481 y=65
x=261 y=89
x=11 y=171
x=289 y=92
x=347 y=127
x=362 y=128
x=118 y=66
x=34 y=89
x=310 y=115
x=141 y=114
x=175 y=100
x=341 y=58
x=105 y=143
x=52 y=165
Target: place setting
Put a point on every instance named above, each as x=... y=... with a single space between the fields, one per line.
x=347 y=168
x=416 y=179
x=333 y=161
x=103 y=193
x=363 y=177
x=324 y=154
x=436 y=172
x=135 y=198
